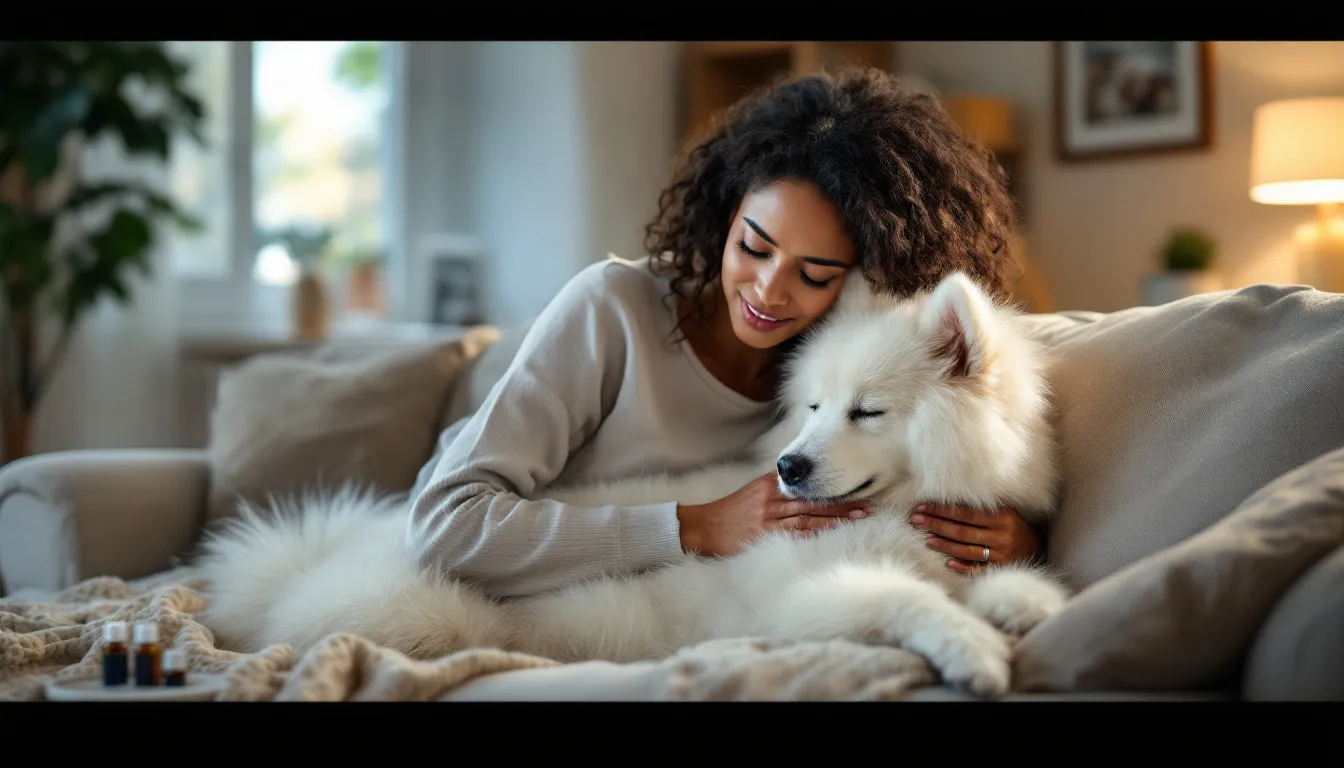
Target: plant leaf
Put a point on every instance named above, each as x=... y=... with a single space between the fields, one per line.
x=40 y=146
x=24 y=245
x=53 y=89
x=127 y=234
x=9 y=221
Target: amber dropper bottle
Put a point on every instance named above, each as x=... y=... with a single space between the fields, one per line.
x=116 y=657
x=147 y=653
x=175 y=667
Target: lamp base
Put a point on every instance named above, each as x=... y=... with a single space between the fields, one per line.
x=1321 y=250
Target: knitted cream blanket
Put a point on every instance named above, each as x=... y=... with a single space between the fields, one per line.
x=39 y=640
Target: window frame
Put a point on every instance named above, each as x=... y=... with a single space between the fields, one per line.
x=235 y=298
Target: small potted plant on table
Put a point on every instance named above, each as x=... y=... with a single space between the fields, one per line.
x=1187 y=258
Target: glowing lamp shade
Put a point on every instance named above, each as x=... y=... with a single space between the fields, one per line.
x=1297 y=152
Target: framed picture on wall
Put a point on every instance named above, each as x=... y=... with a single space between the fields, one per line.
x=1117 y=99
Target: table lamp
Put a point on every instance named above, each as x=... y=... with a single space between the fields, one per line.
x=1297 y=158
x=989 y=119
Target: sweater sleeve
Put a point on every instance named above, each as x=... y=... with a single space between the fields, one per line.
x=475 y=516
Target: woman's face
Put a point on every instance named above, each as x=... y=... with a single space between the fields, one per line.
x=786 y=258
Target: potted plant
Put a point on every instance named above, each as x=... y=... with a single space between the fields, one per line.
x=310 y=304
x=67 y=243
x=1187 y=258
x=364 y=289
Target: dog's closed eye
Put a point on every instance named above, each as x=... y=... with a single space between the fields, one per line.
x=859 y=413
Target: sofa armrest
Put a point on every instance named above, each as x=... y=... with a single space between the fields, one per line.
x=70 y=515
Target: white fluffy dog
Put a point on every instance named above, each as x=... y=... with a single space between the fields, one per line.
x=938 y=397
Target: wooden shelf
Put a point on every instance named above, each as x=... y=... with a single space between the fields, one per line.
x=720 y=73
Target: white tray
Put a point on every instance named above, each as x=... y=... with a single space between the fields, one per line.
x=201 y=686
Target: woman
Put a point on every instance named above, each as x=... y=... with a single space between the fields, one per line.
x=672 y=362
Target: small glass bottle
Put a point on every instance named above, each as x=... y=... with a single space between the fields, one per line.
x=175 y=668
x=147 y=653
x=116 y=657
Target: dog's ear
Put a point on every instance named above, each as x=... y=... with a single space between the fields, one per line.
x=956 y=315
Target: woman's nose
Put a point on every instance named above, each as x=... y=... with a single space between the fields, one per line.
x=770 y=285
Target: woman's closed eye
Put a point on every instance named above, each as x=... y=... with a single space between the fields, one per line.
x=742 y=246
x=807 y=279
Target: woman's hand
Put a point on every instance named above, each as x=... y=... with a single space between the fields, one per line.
x=725 y=526
x=965 y=533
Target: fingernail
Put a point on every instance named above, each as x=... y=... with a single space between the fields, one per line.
x=917 y=519
x=858 y=512
x=923 y=507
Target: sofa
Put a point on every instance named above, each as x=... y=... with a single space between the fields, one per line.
x=1200 y=520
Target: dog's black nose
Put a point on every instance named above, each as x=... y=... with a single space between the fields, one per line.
x=794 y=469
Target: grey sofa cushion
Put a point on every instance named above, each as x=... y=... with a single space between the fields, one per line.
x=1186 y=616
x=1169 y=417
x=1299 y=653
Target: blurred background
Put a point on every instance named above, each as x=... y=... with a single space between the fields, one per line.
x=390 y=190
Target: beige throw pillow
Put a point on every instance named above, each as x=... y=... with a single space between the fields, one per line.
x=485 y=372
x=286 y=424
x=1187 y=616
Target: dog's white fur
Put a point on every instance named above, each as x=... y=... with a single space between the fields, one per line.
x=963 y=417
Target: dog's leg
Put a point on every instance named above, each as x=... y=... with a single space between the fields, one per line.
x=1014 y=598
x=888 y=605
x=619 y=619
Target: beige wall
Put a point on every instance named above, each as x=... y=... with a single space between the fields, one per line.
x=1094 y=228
x=570 y=143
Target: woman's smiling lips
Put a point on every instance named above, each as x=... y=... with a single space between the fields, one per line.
x=759 y=320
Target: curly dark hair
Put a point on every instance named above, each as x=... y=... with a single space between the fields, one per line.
x=918 y=198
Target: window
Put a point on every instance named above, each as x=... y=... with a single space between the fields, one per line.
x=295 y=173
x=200 y=175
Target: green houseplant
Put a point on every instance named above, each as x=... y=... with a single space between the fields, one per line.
x=307 y=245
x=1186 y=257
x=1188 y=250
x=67 y=243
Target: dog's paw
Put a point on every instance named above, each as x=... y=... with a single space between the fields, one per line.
x=973 y=655
x=1019 y=618
x=1016 y=602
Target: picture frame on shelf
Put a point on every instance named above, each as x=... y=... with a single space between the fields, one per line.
x=1129 y=99
x=454 y=282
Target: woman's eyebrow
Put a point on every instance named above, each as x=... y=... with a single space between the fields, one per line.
x=810 y=259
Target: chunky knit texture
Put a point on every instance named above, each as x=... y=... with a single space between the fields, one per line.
x=61 y=638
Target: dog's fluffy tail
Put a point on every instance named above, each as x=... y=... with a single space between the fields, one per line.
x=305 y=567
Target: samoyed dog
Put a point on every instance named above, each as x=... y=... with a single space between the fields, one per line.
x=897 y=401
